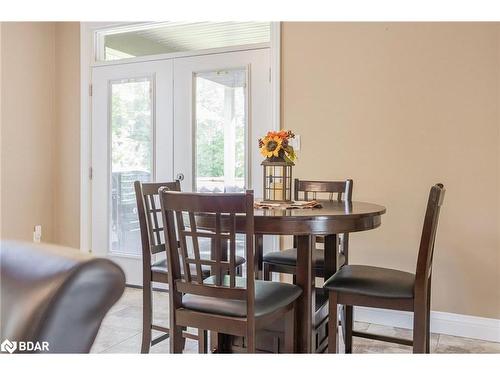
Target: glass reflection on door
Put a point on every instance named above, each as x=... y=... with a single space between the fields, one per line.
x=220 y=130
x=131 y=158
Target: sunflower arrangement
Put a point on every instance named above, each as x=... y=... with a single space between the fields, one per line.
x=276 y=146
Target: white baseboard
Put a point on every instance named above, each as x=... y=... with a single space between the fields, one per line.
x=474 y=327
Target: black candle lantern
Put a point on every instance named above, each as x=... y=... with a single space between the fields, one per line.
x=280 y=155
x=277 y=180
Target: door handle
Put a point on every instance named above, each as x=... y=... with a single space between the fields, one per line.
x=180 y=176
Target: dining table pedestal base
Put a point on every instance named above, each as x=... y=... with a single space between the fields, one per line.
x=271 y=340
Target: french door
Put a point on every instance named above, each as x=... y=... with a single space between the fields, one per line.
x=221 y=108
x=196 y=119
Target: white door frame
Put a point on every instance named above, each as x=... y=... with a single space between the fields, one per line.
x=88 y=60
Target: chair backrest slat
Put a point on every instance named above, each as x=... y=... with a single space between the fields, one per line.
x=428 y=238
x=147 y=217
x=181 y=229
x=208 y=202
x=308 y=188
x=149 y=214
x=218 y=251
x=155 y=226
x=212 y=216
x=196 y=246
x=232 y=250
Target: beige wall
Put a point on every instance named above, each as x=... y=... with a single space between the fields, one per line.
x=28 y=129
x=40 y=131
x=67 y=162
x=398 y=107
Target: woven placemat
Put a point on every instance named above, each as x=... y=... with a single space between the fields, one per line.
x=286 y=206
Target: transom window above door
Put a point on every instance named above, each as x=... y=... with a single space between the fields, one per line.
x=177 y=37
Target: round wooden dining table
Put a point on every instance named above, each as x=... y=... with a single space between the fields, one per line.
x=306 y=224
x=333 y=218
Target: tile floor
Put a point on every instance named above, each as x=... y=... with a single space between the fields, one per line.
x=121 y=332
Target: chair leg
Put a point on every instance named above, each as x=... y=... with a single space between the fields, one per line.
x=332 y=323
x=202 y=341
x=220 y=342
x=348 y=329
x=427 y=337
x=266 y=271
x=289 y=331
x=176 y=339
x=184 y=330
x=428 y=321
x=251 y=343
x=147 y=315
x=419 y=329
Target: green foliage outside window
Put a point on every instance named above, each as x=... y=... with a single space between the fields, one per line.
x=131 y=130
x=210 y=129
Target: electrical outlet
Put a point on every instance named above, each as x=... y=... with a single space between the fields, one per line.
x=37 y=233
x=295 y=142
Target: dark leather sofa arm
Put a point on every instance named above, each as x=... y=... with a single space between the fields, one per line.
x=56 y=295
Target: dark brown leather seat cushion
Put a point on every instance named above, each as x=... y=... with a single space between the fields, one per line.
x=288 y=257
x=372 y=281
x=269 y=296
x=161 y=266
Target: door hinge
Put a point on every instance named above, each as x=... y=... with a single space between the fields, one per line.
x=91 y=173
x=270 y=75
x=90 y=90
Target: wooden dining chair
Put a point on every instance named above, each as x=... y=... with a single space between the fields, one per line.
x=224 y=302
x=359 y=285
x=153 y=246
x=285 y=261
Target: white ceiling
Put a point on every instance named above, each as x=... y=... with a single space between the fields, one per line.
x=188 y=36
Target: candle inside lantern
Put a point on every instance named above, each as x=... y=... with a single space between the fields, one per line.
x=278 y=191
x=277 y=177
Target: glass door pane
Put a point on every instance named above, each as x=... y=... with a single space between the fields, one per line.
x=132 y=139
x=220 y=130
x=131 y=158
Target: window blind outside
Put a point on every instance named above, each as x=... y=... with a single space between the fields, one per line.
x=170 y=37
